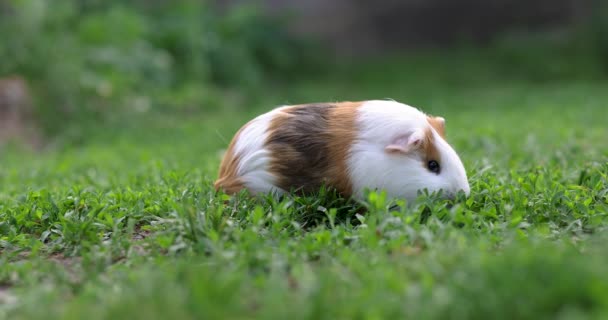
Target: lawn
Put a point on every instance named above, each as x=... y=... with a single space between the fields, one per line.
x=126 y=224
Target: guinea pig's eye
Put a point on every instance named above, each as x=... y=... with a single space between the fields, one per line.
x=434 y=166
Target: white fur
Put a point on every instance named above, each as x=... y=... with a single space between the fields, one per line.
x=401 y=175
x=254 y=161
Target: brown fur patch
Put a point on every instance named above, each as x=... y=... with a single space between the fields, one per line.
x=429 y=149
x=438 y=124
x=228 y=181
x=310 y=145
x=343 y=130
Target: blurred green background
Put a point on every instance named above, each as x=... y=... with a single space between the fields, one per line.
x=90 y=64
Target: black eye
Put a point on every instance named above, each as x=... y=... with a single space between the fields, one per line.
x=434 y=166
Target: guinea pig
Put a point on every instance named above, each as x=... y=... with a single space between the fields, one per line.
x=347 y=146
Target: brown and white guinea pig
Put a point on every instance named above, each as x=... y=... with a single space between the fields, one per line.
x=347 y=146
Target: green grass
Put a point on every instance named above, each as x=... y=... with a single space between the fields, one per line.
x=126 y=225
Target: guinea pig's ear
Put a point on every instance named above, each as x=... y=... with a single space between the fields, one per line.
x=438 y=123
x=406 y=143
